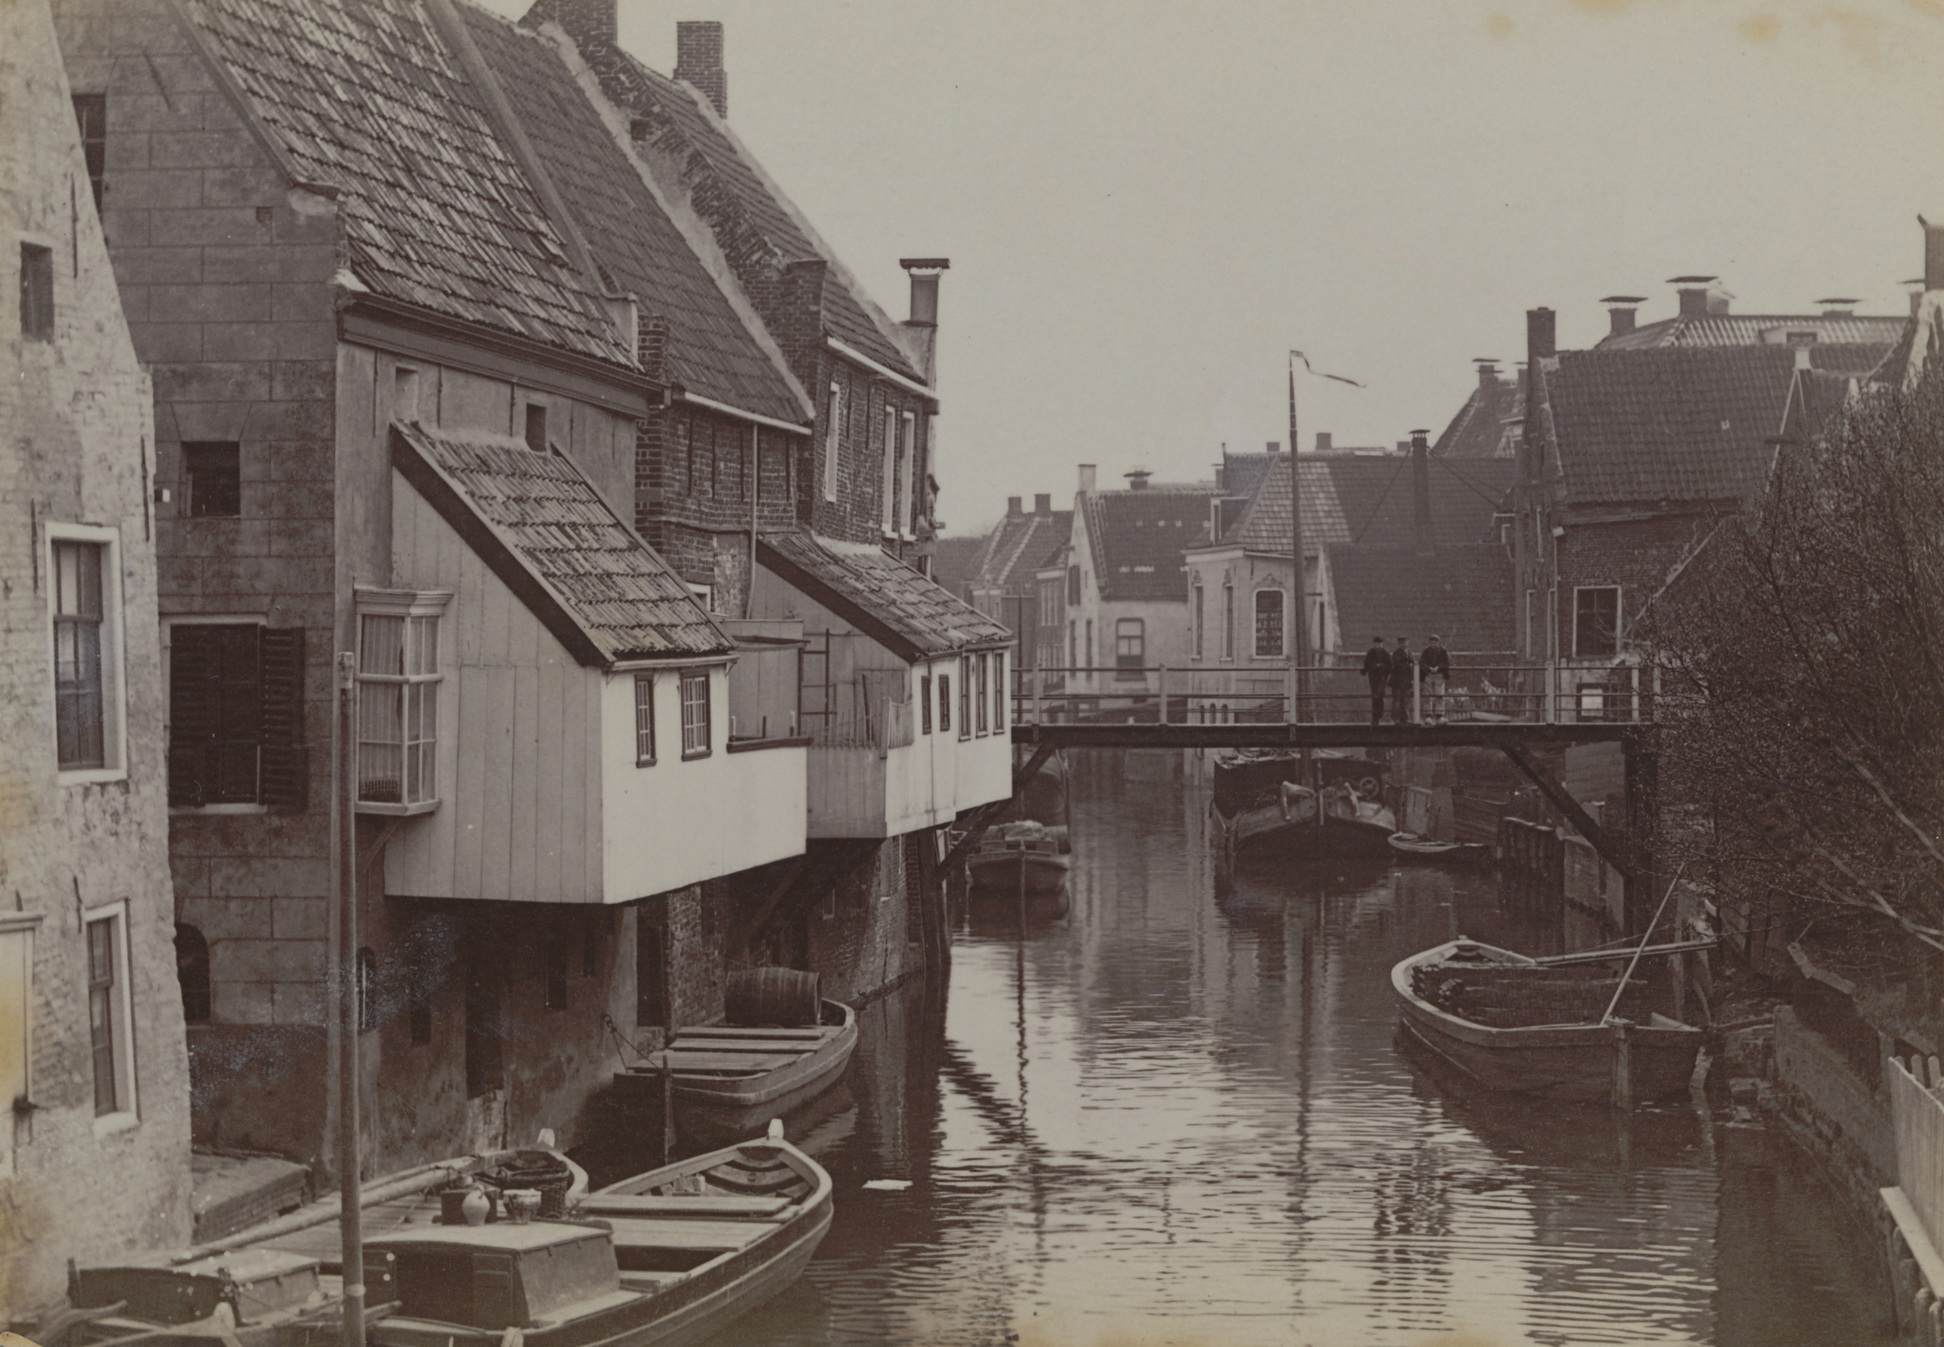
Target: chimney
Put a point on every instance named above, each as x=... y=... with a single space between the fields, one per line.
x=1137 y=480
x=582 y=18
x=698 y=59
x=1916 y=284
x=1701 y=296
x=1421 y=536
x=1012 y=507
x=1837 y=307
x=1275 y=446
x=1087 y=477
x=651 y=346
x=1933 y=254
x=1620 y=313
x=1539 y=335
x=1043 y=503
x=924 y=288
x=1325 y=441
x=1488 y=380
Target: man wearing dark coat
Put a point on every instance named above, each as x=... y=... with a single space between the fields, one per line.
x=1377 y=671
x=1402 y=680
x=1434 y=666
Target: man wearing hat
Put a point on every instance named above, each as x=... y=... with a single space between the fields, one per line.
x=1434 y=666
x=1377 y=671
x=1403 y=681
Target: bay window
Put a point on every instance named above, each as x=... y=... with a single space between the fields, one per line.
x=398 y=701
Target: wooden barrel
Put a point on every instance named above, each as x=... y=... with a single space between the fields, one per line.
x=786 y=997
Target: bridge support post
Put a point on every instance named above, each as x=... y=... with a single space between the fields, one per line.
x=1640 y=759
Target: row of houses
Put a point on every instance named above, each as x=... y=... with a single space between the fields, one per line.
x=473 y=379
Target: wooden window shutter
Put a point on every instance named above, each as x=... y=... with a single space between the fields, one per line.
x=192 y=714
x=285 y=761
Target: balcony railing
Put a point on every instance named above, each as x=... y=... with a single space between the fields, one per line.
x=1481 y=688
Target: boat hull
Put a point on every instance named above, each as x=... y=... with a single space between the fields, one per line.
x=1422 y=851
x=1574 y=1062
x=714 y=1110
x=1037 y=872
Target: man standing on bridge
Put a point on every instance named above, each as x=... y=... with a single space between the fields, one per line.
x=1403 y=679
x=1377 y=670
x=1434 y=666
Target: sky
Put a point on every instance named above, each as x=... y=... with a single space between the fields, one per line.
x=1147 y=205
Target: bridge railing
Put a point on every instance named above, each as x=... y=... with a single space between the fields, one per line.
x=1477 y=690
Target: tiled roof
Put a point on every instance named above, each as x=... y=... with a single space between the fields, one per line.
x=688 y=134
x=1668 y=424
x=711 y=349
x=899 y=608
x=1378 y=506
x=954 y=560
x=1241 y=474
x=1019 y=545
x=1756 y=329
x=551 y=537
x=1138 y=538
x=1463 y=594
x=1264 y=525
x=1479 y=429
x=368 y=98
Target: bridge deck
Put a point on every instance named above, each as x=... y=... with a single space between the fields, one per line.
x=1464 y=734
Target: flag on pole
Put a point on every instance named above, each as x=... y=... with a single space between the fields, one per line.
x=1298 y=355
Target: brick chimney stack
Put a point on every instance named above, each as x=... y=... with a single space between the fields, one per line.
x=1933 y=254
x=1043 y=503
x=1487 y=373
x=1325 y=441
x=698 y=59
x=1421 y=536
x=581 y=18
x=1087 y=477
x=1012 y=507
x=1701 y=296
x=1620 y=313
x=1540 y=339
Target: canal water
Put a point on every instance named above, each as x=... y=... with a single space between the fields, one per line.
x=1179 y=1113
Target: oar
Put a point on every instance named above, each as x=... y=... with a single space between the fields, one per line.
x=1608 y=1017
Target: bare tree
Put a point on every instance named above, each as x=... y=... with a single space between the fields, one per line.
x=1806 y=646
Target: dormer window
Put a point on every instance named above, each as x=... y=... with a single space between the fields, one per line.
x=536 y=427
x=398 y=700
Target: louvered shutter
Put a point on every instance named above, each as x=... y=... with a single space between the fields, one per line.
x=192 y=714
x=236 y=691
x=284 y=760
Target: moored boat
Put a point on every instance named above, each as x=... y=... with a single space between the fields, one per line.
x=1276 y=812
x=1353 y=825
x=1515 y=1024
x=1021 y=855
x=730 y=1080
x=1409 y=846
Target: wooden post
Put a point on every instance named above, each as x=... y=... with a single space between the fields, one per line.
x=350 y=1213
x=1039 y=684
x=1161 y=685
x=1622 y=1070
x=668 y=1096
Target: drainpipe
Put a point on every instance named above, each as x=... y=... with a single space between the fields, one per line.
x=755 y=489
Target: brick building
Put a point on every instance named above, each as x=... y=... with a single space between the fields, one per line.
x=1002 y=582
x=94 y=1154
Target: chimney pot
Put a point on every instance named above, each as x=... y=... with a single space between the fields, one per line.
x=698 y=60
x=1620 y=313
x=1487 y=374
x=1012 y=506
x=1933 y=254
x=1325 y=441
x=1043 y=503
x=1540 y=339
x=924 y=273
x=1137 y=480
x=1087 y=477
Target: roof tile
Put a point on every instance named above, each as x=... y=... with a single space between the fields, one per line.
x=1138 y=538
x=917 y=613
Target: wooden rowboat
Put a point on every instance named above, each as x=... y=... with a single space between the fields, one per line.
x=1020 y=855
x=731 y=1080
x=1513 y=1023
x=1411 y=847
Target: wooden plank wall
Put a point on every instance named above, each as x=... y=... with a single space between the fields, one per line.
x=1917 y=1117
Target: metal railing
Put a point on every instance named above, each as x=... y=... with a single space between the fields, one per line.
x=1486 y=688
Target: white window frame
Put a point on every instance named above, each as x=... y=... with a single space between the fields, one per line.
x=907 y=458
x=1618 y=598
x=1198 y=616
x=1255 y=631
x=22 y=926
x=999 y=697
x=644 y=700
x=888 y=524
x=114 y=700
x=705 y=680
x=406 y=604
x=1228 y=621
x=128 y=1113
x=833 y=439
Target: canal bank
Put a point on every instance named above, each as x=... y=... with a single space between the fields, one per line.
x=1181 y=1114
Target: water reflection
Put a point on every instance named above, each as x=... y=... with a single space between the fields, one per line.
x=1181 y=1114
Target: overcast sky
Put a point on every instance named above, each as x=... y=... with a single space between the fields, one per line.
x=1147 y=204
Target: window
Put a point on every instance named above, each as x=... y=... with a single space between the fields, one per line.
x=965 y=697
x=80 y=703
x=405 y=395
x=695 y=713
x=924 y=704
x=398 y=700
x=1228 y=621
x=214 y=473
x=192 y=972
x=907 y=446
x=536 y=427
x=833 y=439
x=1073 y=644
x=999 y=692
x=91 y=117
x=1268 y=623
x=367 y=990
x=644 y=720
x=981 y=664
x=1596 y=622
x=236 y=715
x=1198 y=620
x=651 y=972
x=16 y=1024
x=1090 y=644
x=36 y=292
x=110 y=1033
x=1130 y=647
x=944 y=703
x=1073 y=586
x=887 y=495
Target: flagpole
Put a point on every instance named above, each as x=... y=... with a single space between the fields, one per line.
x=1297 y=620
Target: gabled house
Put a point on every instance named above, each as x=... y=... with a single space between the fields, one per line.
x=1002 y=583
x=399 y=405
x=1487 y=425
x=94 y=1148
x=1840 y=339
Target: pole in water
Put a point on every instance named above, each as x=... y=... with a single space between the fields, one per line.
x=350 y=1215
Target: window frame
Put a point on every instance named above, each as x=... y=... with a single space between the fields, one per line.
x=907 y=461
x=24 y=925
x=113 y=676
x=1198 y=617
x=925 y=701
x=697 y=678
x=888 y=502
x=980 y=663
x=1124 y=670
x=1282 y=623
x=1228 y=621
x=194 y=489
x=1613 y=636
x=536 y=421
x=834 y=410
x=91 y=121
x=409 y=606
x=965 y=698
x=644 y=708
x=945 y=703
x=998 y=692
x=38 y=314
x=123 y=1045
